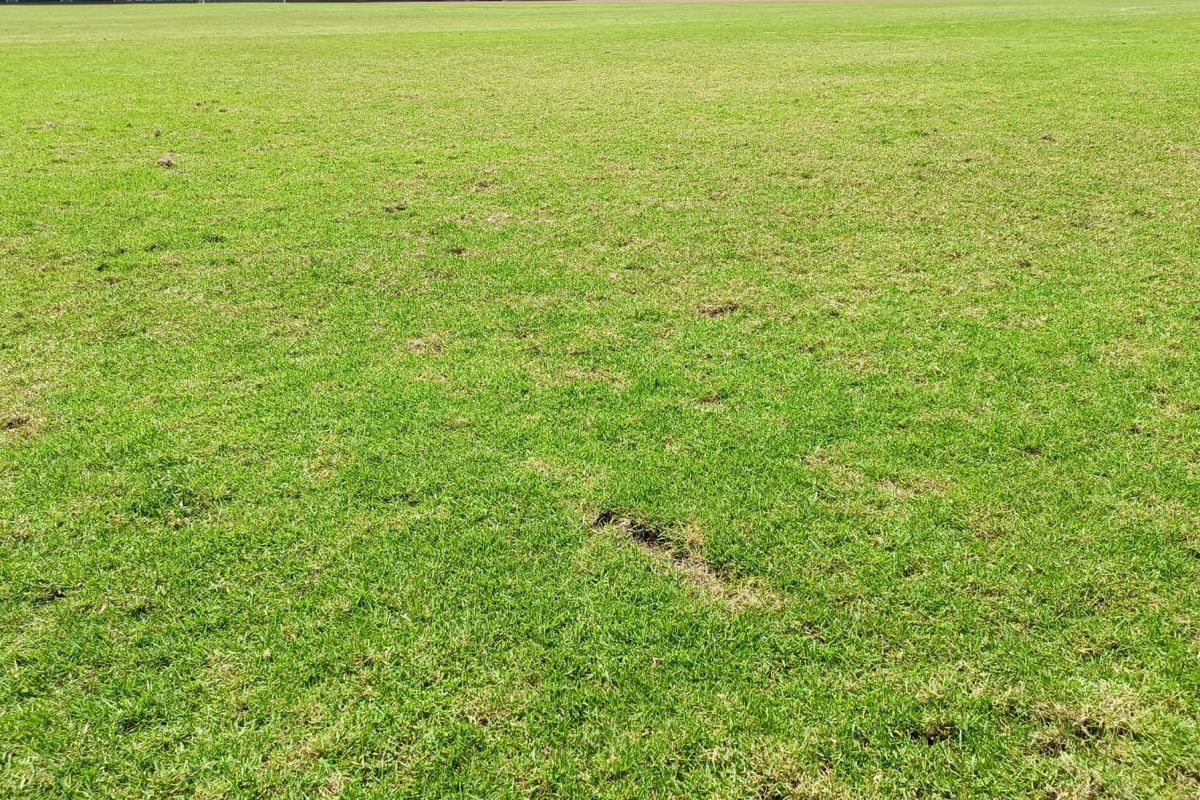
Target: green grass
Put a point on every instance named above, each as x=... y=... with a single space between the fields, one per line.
x=870 y=329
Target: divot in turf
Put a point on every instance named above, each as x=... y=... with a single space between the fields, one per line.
x=672 y=546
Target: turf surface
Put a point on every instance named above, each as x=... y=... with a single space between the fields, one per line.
x=609 y=400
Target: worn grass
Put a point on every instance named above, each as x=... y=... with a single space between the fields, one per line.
x=780 y=400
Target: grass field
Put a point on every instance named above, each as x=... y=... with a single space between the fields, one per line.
x=672 y=400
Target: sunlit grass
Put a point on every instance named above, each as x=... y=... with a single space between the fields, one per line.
x=609 y=400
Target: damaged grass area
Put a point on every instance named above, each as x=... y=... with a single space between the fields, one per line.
x=680 y=548
x=19 y=424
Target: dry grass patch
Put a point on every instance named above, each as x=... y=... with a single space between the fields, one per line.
x=680 y=548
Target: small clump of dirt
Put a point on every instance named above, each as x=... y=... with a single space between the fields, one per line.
x=166 y=161
x=395 y=208
x=1048 y=137
x=718 y=309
